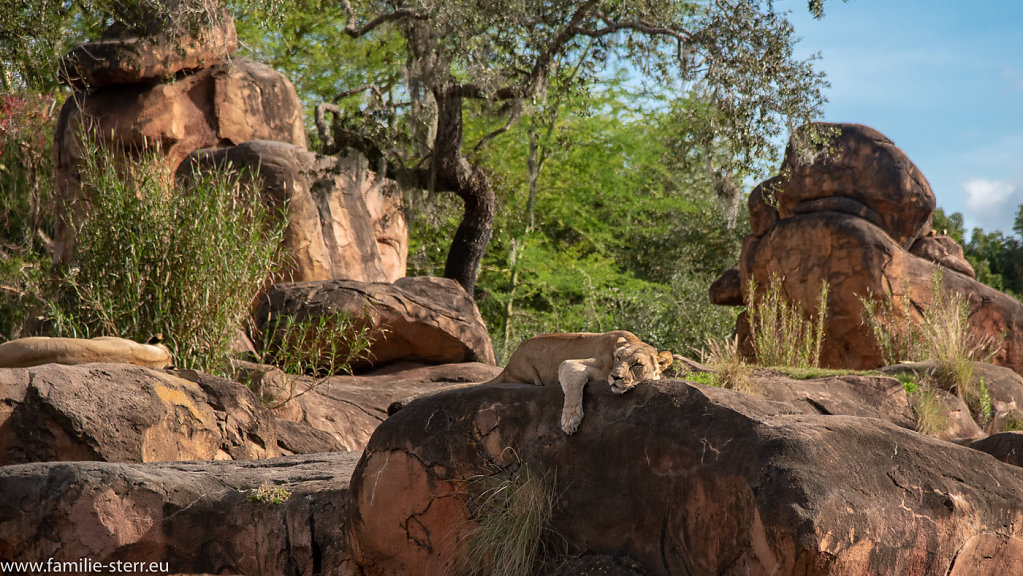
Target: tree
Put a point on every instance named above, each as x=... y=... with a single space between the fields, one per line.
x=505 y=54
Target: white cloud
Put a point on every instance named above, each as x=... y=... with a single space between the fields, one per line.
x=992 y=204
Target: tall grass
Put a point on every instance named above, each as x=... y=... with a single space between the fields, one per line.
x=512 y=513
x=952 y=345
x=782 y=333
x=898 y=336
x=152 y=258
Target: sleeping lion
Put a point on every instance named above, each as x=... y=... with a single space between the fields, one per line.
x=573 y=359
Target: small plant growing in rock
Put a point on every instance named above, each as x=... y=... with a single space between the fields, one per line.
x=782 y=333
x=930 y=413
x=269 y=494
x=512 y=510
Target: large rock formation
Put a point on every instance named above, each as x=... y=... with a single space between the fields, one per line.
x=190 y=518
x=343 y=221
x=687 y=480
x=420 y=319
x=128 y=107
x=860 y=220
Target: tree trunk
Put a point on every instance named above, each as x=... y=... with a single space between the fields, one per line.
x=455 y=173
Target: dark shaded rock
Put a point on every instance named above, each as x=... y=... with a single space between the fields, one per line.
x=727 y=290
x=351 y=407
x=847 y=395
x=1005 y=446
x=423 y=319
x=125 y=413
x=690 y=480
x=343 y=221
x=195 y=517
x=301 y=438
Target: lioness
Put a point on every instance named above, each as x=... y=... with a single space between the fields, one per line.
x=38 y=350
x=619 y=358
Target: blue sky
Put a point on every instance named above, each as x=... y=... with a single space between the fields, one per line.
x=943 y=79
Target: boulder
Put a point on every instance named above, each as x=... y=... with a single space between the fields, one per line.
x=226 y=104
x=191 y=517
x=126 y=413
x=857 y=259
x=943 y=250
x=424 y=319
x=864 y=395
x=727 y=290
x=1005 y=446
x=686 y=479
x=125 y=57
x=865 y=175
x=342 y=220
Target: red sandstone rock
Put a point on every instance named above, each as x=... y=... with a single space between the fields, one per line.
x=121 y=57
x=226 y=104
x=343 y=221
x=423 y=319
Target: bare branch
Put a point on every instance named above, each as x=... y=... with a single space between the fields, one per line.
x=403 y=14
x=324 y=130
x=516 y=113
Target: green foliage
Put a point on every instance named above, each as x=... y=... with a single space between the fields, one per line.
x=151 y=258
x=704 y=378
x=27 y=122
x=512 y=509
x=323 y=345
x=782 y=333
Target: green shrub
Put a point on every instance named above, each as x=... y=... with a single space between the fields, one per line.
x=269 y=494
x=931 y=418
x=27 y=123
x=782 y=333
x=323 y=345
x=151 y=258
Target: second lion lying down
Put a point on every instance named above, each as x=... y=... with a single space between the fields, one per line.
x=618 y=358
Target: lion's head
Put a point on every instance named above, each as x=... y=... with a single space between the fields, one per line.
x=634 y=363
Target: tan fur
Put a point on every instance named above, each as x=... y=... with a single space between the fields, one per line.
x=35 y=351
x=571 y=360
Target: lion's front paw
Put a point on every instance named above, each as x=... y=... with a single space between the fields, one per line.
x=570 y=420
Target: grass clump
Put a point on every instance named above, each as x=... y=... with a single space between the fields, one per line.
x=781 y=332
x=323 y=345
x=730 y=368
x=152 y=258
x=952 y=346
x=512 y=511
x=931 y=417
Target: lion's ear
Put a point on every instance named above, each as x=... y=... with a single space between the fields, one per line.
x=664 y=359
x=622 y=343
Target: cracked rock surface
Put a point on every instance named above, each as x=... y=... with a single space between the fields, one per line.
x=686 y=479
